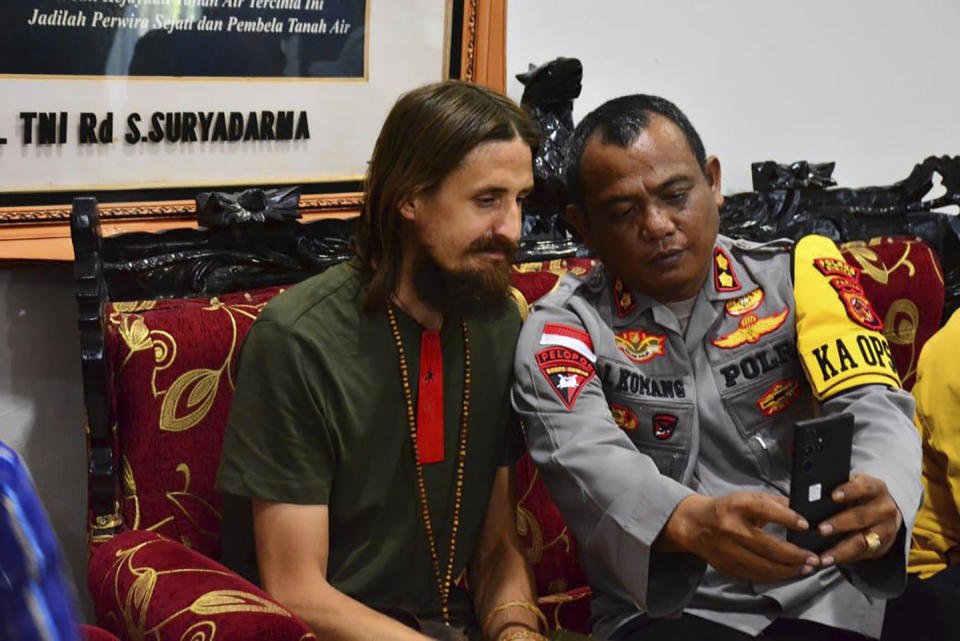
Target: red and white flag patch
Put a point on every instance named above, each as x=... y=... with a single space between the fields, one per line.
x=567 y=371
x=575 y=339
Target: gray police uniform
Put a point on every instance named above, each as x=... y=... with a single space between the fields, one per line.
x=626 y=415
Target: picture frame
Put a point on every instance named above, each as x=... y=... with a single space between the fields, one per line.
x=34 y=224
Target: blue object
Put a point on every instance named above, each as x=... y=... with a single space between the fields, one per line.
x=36 y=602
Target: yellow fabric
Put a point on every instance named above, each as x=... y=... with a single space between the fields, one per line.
x=837 y=352
x=936 y=534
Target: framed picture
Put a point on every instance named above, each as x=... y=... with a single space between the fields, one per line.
x=144 y=104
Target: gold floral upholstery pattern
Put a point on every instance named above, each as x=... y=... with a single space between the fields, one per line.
x=549 y=546
x=208 y=602
x=903 y=279
x=173 y=365
x=178 y=414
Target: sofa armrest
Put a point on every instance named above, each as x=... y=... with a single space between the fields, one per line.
x=91 y=633
x=145 y=586
x=568 y=610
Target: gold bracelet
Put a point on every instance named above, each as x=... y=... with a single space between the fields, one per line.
x=517 y=604
x=523 y=635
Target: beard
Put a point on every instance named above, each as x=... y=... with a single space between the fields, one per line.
x=479 y=293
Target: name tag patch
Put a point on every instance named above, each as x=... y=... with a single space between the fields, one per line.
x=760 y=362
x=636 y=384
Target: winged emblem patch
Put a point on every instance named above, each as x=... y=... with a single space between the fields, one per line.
x=750 y=329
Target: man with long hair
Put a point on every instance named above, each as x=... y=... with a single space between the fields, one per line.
x=367 y=462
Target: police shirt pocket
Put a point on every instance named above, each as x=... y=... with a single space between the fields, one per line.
x=764 y=413
x=662 y=432
x=668 y=460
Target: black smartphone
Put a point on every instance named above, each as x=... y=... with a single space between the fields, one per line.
x=821 y=462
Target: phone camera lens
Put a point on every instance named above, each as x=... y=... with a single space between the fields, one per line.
x=807 y=465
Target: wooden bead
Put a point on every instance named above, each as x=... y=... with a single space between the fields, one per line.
x=444 y=580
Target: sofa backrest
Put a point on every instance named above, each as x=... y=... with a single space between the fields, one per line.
x=172 y=366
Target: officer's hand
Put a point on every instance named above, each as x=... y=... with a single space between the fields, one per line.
x=727 y=533
x=871 y=510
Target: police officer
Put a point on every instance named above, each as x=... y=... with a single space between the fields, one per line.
x=660 y=391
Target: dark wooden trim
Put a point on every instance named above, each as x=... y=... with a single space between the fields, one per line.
x=311 y=203
x=91 y=302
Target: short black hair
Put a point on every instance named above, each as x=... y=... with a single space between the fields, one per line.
x=621 y=121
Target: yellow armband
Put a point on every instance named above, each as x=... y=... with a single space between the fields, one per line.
x=838 y=333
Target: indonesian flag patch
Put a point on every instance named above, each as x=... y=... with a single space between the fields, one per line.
x=575 y=339
x=567 y=370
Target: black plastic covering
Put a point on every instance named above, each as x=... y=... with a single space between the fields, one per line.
x=549 y=91
x=788 y=201
x=220 y=209
x=791 y=201
x=249 y=239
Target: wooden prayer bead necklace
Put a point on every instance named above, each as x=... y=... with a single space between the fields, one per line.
x=444 y=580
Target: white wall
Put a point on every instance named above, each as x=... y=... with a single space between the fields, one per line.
x=41 y=399
x=871 y=84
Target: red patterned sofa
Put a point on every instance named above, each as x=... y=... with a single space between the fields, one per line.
x=159 y=377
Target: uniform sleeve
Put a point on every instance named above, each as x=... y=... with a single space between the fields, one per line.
x=885 y=445
x=937 y=392
x=611 y=495
x=513 y=442
x=277 y=446
x=850 y=368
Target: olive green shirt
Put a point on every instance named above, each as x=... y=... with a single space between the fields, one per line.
x=319 y=417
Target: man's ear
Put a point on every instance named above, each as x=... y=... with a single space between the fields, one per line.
x=409 y=206
x=577 y=219
x=713 y=177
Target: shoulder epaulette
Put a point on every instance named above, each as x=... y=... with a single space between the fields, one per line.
x=776 y=246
